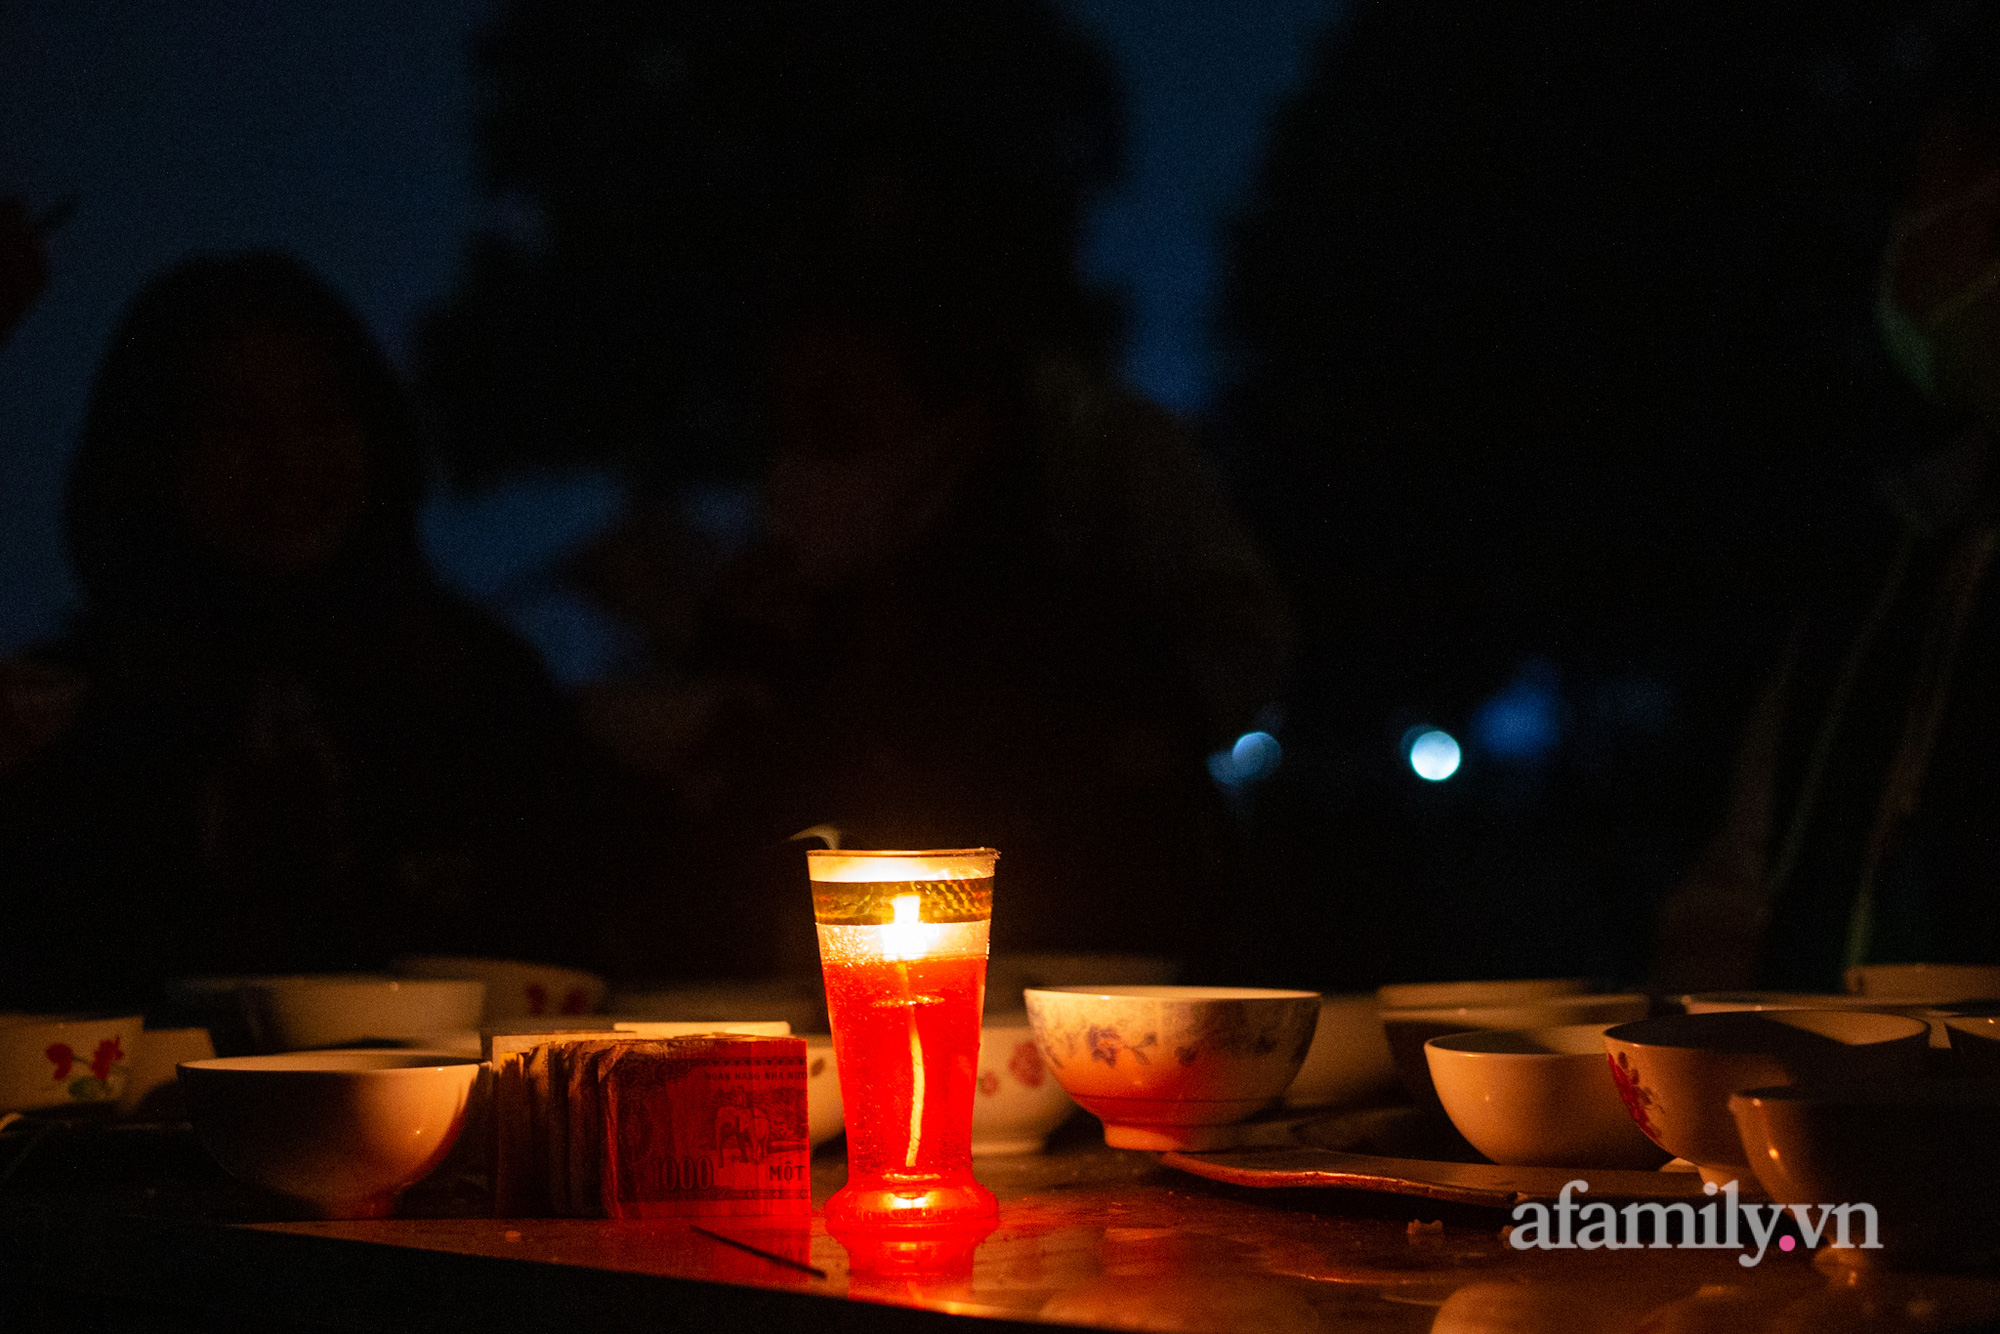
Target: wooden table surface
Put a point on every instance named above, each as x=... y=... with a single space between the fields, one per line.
x=1087 y=1236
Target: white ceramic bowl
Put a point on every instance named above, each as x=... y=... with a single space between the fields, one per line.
x=1016 y=1102
x=65 y=1060
x=1349 y=1059
x=340 y=1133
x=1436 y=995
x=1409 y=1029
x=1931 y=982
x=1163 y=1067
x=1008 y=975
x=1924 y=1155
x=824 y=1118
x=327 y=1010
x=515 y=990
x=1538 y=1097
x=1676 y=1073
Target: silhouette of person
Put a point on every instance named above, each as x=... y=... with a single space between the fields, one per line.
x=995 y=599
x=1860 y=826
x=272 y=741
x=1018 y=616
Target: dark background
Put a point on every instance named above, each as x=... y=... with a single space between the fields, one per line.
x=345 y=135
x=1534 y=340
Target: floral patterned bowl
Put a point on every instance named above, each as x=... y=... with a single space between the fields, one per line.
x=1172 y=1067
x=1016 y=1102
x=1676 y=1072
x=65 y=1060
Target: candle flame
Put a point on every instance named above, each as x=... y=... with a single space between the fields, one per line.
x=909 y=936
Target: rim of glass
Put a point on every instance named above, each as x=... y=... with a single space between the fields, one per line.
x=831 y=866
x=902 y=852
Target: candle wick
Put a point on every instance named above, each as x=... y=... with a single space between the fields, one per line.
x=916 y=1070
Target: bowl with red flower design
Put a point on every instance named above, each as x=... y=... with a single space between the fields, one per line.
x=1676 y=1072
x=1172 y=1067
x=515 y=990
x=1016 y=1101
x=65 y=1060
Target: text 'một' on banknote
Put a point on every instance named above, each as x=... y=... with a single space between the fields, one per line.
x=703 y=1126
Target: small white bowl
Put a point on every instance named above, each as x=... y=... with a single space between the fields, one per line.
x=1538 y=1097
x=1016 y=1102
x=1409 y=1029
x=515 y=990
x=1349 y=1059
x=65 y=1060
x=1437 y=995
x=824 y=1118
x=340 y=1133
x=1931 y=982
x=1171 y=1067
x=328 y=1010
x=1676 y=1072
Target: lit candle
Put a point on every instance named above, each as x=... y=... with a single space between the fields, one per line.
x=902 y=939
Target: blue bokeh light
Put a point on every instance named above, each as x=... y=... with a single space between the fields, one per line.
x=1434 y=755
x=1523 y=721
x=1253 y=756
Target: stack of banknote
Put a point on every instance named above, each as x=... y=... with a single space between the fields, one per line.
x=613 y=1125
